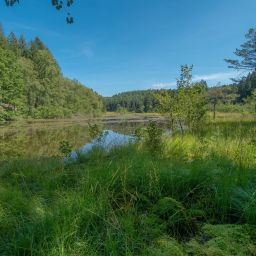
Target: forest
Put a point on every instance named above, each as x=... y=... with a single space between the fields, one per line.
x=234 y=97
x=32 y=85
x=133 y=101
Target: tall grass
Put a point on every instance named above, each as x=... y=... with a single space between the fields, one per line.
x=124 y=201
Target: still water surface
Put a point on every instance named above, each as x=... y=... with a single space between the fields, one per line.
x=43 y=139
x=106 y=141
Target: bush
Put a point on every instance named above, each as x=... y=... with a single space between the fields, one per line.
x=94 y=131
x=153 y=138
x=65 y=148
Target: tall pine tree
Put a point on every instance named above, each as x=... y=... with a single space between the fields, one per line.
x=247 y=53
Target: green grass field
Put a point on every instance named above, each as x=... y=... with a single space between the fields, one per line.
x=196 y=197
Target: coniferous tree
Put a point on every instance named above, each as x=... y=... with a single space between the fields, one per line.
x=247 y=61
x=22 y=45
x=1 y=31
x=247 y=53
x=246 y=86
x=36 y=45
x=3 y=41
x=13 y=43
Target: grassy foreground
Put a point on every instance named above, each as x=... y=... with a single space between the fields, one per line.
x=198 y=197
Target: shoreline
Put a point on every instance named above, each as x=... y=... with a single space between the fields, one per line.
x=106 y=118
x=113 y=117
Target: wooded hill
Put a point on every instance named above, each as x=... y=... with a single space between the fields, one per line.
x=133 y=101
x=235 y=96
x=32 y=85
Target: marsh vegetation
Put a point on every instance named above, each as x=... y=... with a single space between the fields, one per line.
x=195 y=198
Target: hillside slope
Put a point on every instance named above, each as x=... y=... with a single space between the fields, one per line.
x=32 y=85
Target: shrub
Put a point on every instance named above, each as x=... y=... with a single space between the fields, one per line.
x=95 y=131
x=153 y=138
x=65 y=148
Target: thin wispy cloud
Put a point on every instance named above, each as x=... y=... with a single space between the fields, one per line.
x=215 y=77
x=84 y=51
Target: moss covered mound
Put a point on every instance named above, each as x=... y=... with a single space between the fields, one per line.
x=214 y=240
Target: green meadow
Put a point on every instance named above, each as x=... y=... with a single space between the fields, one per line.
x=194 y=196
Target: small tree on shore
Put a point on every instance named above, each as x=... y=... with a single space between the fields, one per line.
x=215 y=95
x=187 y=105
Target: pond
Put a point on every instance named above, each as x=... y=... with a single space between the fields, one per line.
x=106 y=141
x=42 y=139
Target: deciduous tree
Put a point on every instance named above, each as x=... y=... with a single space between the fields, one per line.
x=187 y=105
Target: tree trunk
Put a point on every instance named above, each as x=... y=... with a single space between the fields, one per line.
x=214 y=111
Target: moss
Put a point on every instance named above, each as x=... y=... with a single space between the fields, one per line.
x=152 y=227
x=167 y=207
x=222 y=240
x=165 y=247
x=180 y=221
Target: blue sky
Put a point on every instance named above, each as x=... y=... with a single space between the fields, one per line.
x=122 y=45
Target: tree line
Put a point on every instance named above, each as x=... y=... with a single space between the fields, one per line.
x=231 y=97
x=32 y=85
x=237 y=96
x=148 y=101
x=133 y=101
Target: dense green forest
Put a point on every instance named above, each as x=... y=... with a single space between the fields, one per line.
x=133 y=101
x=237 y=96
x=32 y=85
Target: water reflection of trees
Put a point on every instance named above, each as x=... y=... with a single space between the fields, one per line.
x=40 y=141
x=43 y=140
